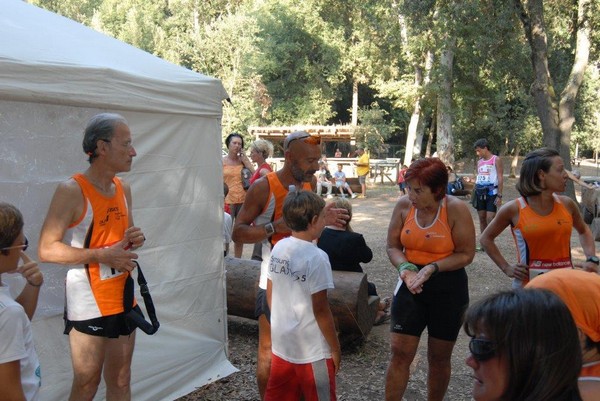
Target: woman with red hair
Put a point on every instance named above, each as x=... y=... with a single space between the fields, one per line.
x=431 y=238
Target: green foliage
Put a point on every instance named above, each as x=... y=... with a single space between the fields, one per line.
x=285 y=62
x=373 y=130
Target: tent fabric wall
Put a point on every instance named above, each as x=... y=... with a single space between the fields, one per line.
x=60 y=76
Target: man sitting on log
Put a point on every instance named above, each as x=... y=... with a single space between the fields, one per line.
x=263 y=205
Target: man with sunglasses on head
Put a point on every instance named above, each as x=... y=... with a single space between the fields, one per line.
x=264 y=206
x=89 y=227
x=20 y=377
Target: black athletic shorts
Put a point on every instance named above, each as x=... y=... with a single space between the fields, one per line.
x=111 y=326
x=440 y=307
x=262 y=306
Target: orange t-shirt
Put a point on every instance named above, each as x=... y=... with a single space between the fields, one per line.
x=424 y=245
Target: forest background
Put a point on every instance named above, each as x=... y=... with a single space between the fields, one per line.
x=414 y=77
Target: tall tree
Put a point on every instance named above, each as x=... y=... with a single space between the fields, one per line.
x=556 y=111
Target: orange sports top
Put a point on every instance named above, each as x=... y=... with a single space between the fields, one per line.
x=424 y=245
x=96 y=290
x=274 y=205
x=543 y=242
x=590 y=371
x=232 y=175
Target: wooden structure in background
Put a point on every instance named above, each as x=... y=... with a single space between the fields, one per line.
x=353 y=310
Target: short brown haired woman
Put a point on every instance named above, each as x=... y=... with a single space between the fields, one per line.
x=431 y=238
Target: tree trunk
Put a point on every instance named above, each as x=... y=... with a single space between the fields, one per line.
x=515 y=161
x=556 y=114
x=432 y=129
x=445 y=139
x=355 y=102
x=421 y=125
x=415 y=120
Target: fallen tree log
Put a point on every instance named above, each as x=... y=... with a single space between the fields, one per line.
x=353 y=310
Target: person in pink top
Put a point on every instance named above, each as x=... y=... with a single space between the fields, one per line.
x=489 y=183
x=260 y=150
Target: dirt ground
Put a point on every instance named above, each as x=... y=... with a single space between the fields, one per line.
x=362 y=372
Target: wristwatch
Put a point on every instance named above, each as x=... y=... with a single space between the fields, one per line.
x=593 y=259
x=269 y=229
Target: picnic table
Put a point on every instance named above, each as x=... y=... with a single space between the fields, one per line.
x=385 y=169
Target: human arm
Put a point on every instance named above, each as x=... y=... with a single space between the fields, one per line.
x=133 y=235
x=500 y=175
x=10 y=381
x=506 y=216
x=324 y=319
x=66 y=208
x=256 y=198
x=28 y=298
x=586 y=239
x=246 y=161
x=395 y=249
x=463 y=237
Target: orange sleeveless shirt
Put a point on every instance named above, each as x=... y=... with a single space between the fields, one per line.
x=96 y=290
x=543 y=242
x=424 y=245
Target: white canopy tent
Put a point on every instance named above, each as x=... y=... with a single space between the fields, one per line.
x=54 y=75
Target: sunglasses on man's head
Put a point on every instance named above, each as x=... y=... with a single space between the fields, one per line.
x=310 y=139
x=23 y=247
x=481 y=349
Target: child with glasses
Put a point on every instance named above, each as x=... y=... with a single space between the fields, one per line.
x=305 y=347
x=524 y=346
x=18 y=358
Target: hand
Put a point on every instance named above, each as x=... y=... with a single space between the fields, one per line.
x=135 y=238
x=416 y=286
x=336 y=356
x=280 y=226
x=118 y=257
x=590 y=267
x=30 y=271
x=498 y=201
x=518 y=271
x=409 y=277
x=336 y=216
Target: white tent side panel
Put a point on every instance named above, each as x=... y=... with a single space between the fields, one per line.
x=177 y=201
x=54 y=75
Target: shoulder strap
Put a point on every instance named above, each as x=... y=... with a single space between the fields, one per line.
x=136 y=317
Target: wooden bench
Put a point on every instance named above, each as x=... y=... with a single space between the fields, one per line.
x=353 y=309
x=467 y=191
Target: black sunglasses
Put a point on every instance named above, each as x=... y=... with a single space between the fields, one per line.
x=22 y=247
x=481 y=349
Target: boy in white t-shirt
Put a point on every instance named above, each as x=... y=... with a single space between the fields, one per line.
x=20 y=377
x=306 y=350
x=340 y=182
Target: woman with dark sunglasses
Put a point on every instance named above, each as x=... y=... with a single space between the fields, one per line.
x=524 y=347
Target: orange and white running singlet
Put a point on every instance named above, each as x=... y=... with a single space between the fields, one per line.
x=590 y=371
x=96 y=290
x=543 y=242
x=423 y=245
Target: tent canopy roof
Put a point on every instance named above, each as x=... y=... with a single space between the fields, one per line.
x=46 y=57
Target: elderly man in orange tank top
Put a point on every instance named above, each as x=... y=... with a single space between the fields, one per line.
x=89 y=228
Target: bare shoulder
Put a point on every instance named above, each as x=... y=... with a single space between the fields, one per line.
x=455 y=204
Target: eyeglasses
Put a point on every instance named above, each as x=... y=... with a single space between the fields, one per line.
x=310 y=139
x=481 y=349
x=23 y=247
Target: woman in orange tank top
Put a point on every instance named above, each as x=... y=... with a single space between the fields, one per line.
x=233 y=163
x=431 y=238
x=541 y=221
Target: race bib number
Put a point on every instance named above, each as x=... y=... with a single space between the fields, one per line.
x=107 y=272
